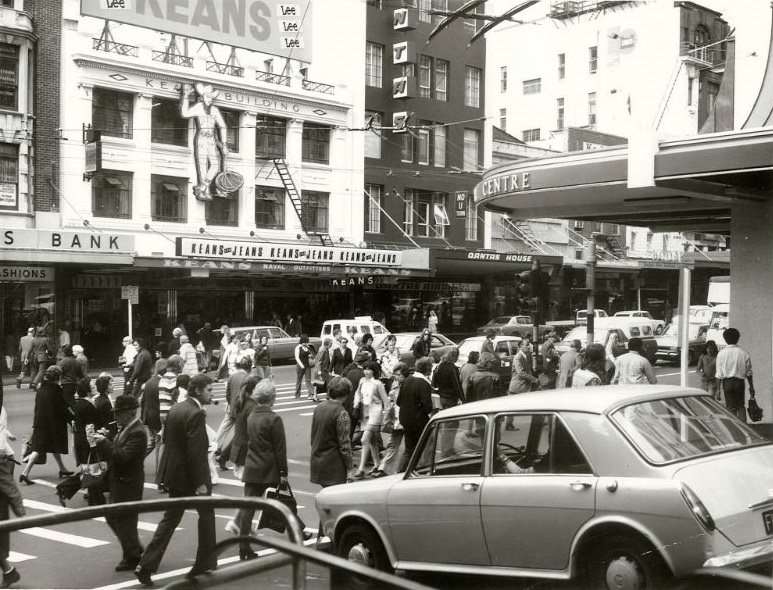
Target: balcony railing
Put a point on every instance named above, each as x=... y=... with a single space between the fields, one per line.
x=231 y=70
x=272 y=78
x=171 y=58
x=113 y=47
x=713 y=54
x=318 y=87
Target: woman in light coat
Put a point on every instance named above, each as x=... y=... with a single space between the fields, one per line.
x=371 y=398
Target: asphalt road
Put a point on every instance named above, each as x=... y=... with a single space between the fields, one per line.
x=83 y=554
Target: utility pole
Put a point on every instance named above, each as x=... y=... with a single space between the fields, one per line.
x=590 y=285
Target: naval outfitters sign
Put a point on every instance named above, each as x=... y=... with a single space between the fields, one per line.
x=264 y=251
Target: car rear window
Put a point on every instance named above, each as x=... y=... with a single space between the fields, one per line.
x=674 y=429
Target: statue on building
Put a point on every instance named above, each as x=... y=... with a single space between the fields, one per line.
x=210 y=144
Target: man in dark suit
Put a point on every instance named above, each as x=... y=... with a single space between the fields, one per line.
x=126 y=475
x=185 y=473
x=150 y=413
x=415 y=401
x=341 y=357
x=143 y=363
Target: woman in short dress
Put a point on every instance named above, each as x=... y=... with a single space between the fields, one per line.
x=372 y=399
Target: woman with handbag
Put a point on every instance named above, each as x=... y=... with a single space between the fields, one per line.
x=371 y=400
x=83 y=429
x=49 y=425
x=304 y=355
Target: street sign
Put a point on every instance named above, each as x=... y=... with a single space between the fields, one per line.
x=132 y=293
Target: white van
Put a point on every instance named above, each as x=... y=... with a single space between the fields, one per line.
x=354 y=328
x=720 y=320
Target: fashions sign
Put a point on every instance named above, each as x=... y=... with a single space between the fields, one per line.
x=264 y=251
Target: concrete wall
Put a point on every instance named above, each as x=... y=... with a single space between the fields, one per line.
x=751 y=271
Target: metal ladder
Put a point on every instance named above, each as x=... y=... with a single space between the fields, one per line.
x=295 y=198
x=521 y=229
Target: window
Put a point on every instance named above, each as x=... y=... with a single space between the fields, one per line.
x=374 y=64
x=560 y=114
x=424 y=7
x=593 y=59
x=503 y=119
x=471 y=86
x=232 y=122
x=596 y=227
x=316 y=143
x=7 y=3
x=592 y=109
x=271 y=137
x=441 y=5
x=531 y=135
x=439 y=148
x=425 y=213
x=425 y=76
x=169 y=198
x=406 y=147
x=373 y=208
x=690 y=83
x=441 y=79
x=532 y=86
x=536 y=443
x=503 y=79
x=561 y=66
x=314 y=208
x=269 y=207
x=471 y=149
x=453 y=447
x=471 y=24
x=614 y=229
x=372 y=137
x=471 y=219
x=439 y=214
x=422 y=143
x=111 y=112
x=223 y=211
x=9 y=76
x=166 y=123
x=578 y=224
x=9 y=176
x=111 y=194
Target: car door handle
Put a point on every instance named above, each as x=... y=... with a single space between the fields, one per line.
x=470 y=487
x=579 y=485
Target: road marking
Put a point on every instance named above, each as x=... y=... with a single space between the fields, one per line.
x=35 y=505
x=185 y=570
x=672 y=374
x=53 y=535
x=306 y=414
x=15 y=557
x=294 y=409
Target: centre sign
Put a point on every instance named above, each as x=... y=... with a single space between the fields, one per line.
x=503 y=183
x=266 y=26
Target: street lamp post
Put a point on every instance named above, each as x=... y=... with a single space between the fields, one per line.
x=590 y=285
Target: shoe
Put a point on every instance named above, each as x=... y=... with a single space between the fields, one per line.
x=11 y=577
x=24 y=479
x=18 y=384
x=307 y=535
x=380 y=473
x=247 y=555
x=143 y=575
x=126 y=566
x=197 y=571
x=232 y=527
x=63 y=474
x=359 y=475
x=222 y=464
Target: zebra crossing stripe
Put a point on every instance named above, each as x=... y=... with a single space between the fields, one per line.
x=43 y=506
x=54 y=535
x=16 y=557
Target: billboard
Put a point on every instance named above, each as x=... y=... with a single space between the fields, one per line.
x=267 y=26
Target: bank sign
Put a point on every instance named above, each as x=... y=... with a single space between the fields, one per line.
x=266 y=26
x=65 y=241
x=288 y=253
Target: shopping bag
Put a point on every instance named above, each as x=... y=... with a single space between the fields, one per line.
x=270 y=519
x=754 y=410
x=94 y=472
x=68 y=487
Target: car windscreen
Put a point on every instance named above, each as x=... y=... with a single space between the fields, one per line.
x=468 y=346
x=674 y=429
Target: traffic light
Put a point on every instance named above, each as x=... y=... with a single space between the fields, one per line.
x=522 y=292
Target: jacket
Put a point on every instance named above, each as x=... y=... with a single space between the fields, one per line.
x=143 y=365
x=239 y=444
x=521 y=379
x=151 y=412
x=126 y=462
x=266 y=447
x=184 y=462
x=415 y=401
x=328 y=463
x=448 y=382
x=340 y=360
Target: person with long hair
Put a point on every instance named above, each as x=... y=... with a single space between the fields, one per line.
x=394 y=444
x=593 y=367
x=468 y=368
x=49 y=425
x=421 y=348
x=371 y=399
x=707 y=369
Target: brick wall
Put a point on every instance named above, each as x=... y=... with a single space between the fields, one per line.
x=47 y=17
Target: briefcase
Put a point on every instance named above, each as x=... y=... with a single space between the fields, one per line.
x=270 y=519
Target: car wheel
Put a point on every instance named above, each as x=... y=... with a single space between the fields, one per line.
x=361 y=545
x=658 y=330
x=621 y=562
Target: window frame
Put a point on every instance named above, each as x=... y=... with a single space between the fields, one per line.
x=233 y=130
x=440 y=71
x=471 y=219
x=373 y=140
x=424 y=80
x=125 y=180
x=373 y=208
x=407 y=148
x=560 y=113
x=268 y=127
x=502 y=79
x=10 y=62
x=439 y=147
x=223 y=211
x=473 y=78
x=529 y=135
x=9 y=165
x=593 y=59
x=592 y=109
x=503 y=119
x=532 y=86
x=374 y=65
x=467 y=143
x=561 y=66
x=315 y=210
x=161 y=181
x=315 y=143
x=262 y=215
x=167 y=125
x=105 y=126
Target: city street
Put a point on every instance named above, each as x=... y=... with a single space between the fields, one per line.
x=92 y=545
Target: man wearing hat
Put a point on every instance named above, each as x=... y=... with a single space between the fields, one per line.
x=25 y=356
x=126 y=474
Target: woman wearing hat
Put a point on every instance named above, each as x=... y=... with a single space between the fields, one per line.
x=49 y=424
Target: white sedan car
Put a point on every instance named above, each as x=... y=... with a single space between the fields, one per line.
x=657 y=325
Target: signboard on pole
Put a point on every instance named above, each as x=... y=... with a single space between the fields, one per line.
x=132 y=293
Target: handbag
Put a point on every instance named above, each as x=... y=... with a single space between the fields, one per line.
x=269 y=519
x=94 y=472
x=753 y=410
x=388 y=424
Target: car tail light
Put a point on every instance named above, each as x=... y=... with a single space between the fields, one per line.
x=700 y=512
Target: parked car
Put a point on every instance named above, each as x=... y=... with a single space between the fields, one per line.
x=405 y=341
x=512 y=325
x=626 y=487
x=581 y=317
x=670 y=348
x=281 y=346
x=625 y=328
x=657 y=325
x=353 y=328
x=505 y=347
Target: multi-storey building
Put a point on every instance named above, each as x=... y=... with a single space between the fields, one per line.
x=131 y=127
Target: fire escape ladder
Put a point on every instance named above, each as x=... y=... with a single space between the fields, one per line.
x=601 y=252
x=615 y=246
x=521 y=229
x=295 y=199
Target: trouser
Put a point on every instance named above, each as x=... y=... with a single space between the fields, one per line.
x=5 y=537
x=392 y=450
x=225 y=435
x=26 y=370
x=125 y=529
x=411 y=439
x=303 y=373
x=245 y=515
x=40 y=368
x=137 y=387
x=734 y=389
x=205 y=553
x=154 y=440
x=68 y=392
